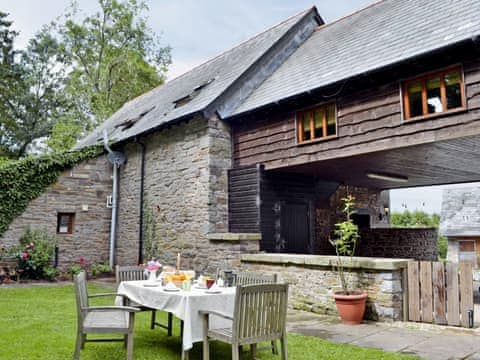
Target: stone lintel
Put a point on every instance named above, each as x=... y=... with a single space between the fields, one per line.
x=327 y=261
x=235 y=236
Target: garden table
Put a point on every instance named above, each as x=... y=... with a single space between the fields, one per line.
x=186 y=305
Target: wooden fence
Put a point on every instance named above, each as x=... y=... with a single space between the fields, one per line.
x=440 y=293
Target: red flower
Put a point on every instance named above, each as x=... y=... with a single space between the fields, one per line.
x=24 y=255
x=81 y=260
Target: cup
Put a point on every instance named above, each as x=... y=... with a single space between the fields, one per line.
x=186 y=285
x=209 y=283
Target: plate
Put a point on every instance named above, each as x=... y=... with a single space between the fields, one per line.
x=151 y=285
x=176 y=289
x=215 y=291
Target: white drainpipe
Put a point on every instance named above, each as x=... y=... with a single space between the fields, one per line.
x=116 y=159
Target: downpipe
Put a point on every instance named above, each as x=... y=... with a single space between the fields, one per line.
x=116 y=158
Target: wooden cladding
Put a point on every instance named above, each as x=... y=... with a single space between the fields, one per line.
x=435 y=93
x=368 y=121
x=317 y=123
x=244 y=199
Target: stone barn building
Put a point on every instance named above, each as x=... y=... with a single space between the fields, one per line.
x=460 y=223
x=245 y=158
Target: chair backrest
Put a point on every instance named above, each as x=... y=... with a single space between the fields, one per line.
x=81 y=293
x=129 y=273
x=253 y=278
x=260 y=312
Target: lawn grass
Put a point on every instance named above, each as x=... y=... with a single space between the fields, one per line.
x=40 y=323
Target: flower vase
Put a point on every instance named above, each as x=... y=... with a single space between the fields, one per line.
x=152 y=276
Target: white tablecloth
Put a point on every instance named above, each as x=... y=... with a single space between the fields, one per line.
x=183 y=304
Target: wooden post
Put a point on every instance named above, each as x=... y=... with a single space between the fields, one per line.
x=453 y=308
x=439 y=294
x=466 y=291
x=413 y=292
x=426 y=291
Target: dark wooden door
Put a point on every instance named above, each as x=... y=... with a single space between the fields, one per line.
x=294 y=228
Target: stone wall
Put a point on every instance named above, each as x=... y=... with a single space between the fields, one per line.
x=312 y=282
x=407 y=243
x=83 y=191
x=185 y=190
x=368 y=201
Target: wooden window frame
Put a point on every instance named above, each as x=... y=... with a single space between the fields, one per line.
x=422 y=79
x=71 y=217
x=311 y=111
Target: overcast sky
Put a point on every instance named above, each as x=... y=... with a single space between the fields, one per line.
x=200 y=29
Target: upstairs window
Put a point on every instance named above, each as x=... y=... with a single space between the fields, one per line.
x=434 y=93
x=65 y=223
x=317 y=123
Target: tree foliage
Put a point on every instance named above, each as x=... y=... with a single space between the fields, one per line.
x=75 y=73
x=38 y=100
x=416 y=218
x=9 y=76
x=112 y=55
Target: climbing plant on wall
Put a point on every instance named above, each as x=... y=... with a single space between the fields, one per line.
x=23 y=180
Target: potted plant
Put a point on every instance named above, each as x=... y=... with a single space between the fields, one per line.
x=350 y=302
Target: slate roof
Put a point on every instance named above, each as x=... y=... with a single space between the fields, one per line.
x=460 y=212
x=383 y=34
x=211 y=79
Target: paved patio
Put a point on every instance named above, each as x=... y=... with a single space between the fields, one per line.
x=427 y=341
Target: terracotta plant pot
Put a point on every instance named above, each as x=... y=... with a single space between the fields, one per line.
x=351 y=308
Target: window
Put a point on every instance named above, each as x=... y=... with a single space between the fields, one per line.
x=435 y=93
x=318 y=123
x=65 y=223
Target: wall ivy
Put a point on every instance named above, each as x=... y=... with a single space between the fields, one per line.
x=23 y=180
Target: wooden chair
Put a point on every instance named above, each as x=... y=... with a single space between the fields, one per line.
x=259 y=315
x=132 y=273
x=253 y=278
x=101 y=319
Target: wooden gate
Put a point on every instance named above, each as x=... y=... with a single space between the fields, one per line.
x=440 y=293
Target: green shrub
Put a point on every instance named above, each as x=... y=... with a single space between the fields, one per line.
x=34 y=257
x=442 y=247
x=101 y=268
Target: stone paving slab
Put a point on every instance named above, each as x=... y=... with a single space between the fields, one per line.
x=334 y=332
x=428 y=341
x=448 y=346
x=393 y=340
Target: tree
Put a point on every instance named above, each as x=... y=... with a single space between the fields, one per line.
x=36 y=98
x=420 y=219
x=75 y=74
x=112 y=55
x=9 y=75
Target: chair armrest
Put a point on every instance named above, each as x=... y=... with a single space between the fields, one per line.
x=109 y=308
x=105 y=294
x=216 y=313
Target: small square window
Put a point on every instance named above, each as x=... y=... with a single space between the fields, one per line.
x=317 y=123
x=65 y=223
